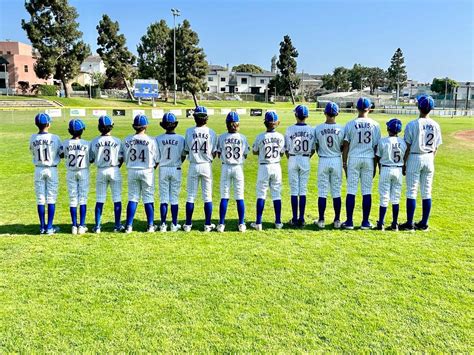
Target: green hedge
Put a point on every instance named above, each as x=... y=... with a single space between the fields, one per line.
x=47 y=90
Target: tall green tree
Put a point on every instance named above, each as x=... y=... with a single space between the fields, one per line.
x=151 y=54
x=112 y=49
x=53 y=31
x=287 y=66
x=442 y=85
x=396 y=73
x=247 y=68
x=341 y=79
x=191 y=64
x=358 y=77
x=375 y=77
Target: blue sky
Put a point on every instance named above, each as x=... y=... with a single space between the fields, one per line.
x=436 y=36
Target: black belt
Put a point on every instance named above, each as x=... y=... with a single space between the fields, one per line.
x=336 y=156
x=43 y=166
x=269 y=163
x=296 y=155
x=392 y=166
x=421 y=153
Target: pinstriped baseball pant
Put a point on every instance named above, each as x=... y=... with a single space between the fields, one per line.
x=390 y=185
x=329 y=176
x=105 y=177
x=360 y=169
x=420 y=171
x=298 y=174
x=141 y=183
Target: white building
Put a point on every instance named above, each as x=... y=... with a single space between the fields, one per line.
x=222 y=80
x=91 y=65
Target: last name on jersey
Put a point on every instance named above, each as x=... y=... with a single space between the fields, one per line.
x=301 y=134
x=136 y=142
x=111 y=144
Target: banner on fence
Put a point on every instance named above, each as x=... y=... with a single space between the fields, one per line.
x=98 y=113
x=118 y=112
x=157 y=114
x=241 y=111
x=177 y=112
x=256 y=112
x=225 y=111
x=79 y=112
x=54 y=112
x=138 y=112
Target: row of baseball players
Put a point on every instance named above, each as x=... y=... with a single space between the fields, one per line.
x=356 y=148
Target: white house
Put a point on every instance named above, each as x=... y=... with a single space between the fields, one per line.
x=91 y=65
x=222 y=80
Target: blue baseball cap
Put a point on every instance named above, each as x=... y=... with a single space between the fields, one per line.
x=42 y=118
x=232 y=117
x=200 y=111
x=76 y=125
x=425 y=103
x=169 y=117
x=301 y=111
x=105 y=121
x=140 y=121
x=331 y=109
x=363 y=103
x=271 y=116
x=394 y=125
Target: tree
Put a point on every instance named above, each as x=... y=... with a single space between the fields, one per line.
x=191 y=64
x=358 y=77
x=98 y=80
x=375 y=78
x=396 y=73
x=287 y=66
x=151 y=54
x=439 y=85
x=113 y=51
x=328 y=82
x=341 y=79
x=247 y=68
x=53 y=32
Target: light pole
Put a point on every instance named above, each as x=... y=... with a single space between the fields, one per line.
x=90 y=81
x=175 y=13
x=6 y=78
x=445 y=92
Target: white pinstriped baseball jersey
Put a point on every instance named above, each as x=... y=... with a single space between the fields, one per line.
x=391 y=151
x=76 y=154
x=329 y=139
x=106 y=151
x=299 y=139
x=45 y=149
x=363 y=135
x=140 y=152
x=200 y=144
x=270 y=146
x=170 y=149
x=233 y=148
x=423 y=135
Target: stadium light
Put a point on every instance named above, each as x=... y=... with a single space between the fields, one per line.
x=175 y=13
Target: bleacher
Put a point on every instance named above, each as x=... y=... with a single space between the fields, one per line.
x=27 y=103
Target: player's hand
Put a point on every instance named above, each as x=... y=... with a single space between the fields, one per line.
x=404 y=170
x=344 y=166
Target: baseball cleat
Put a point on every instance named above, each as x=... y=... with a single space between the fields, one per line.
x=128 y=229
x=421 y=227
x=209 y=227
x=366 y=226
x=220 y=228
x=151 y=228
x=175 y=227
x=42 y=231
x=301 y=224
x=163 y=227
x=320 y=224
x=187 y=228
x=119 y=229
x=347 y=225
x=337 y=224
x=292 y=223
x=53 y=230
x=379 y=227
x=278 y=225
x=257 y=227
x=242 y=228
x=393 y=227
x=74 y=230
x=96 y=230
x=407 y=227
x=82 y=230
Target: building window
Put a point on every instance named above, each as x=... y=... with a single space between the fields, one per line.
x=236 y=89
x=243 y=81
x=26 y=68
x=210 y=78
x=262 y=81
x=223 y=89
x=222 y=79
x=3 y=84
x=8 y=52
x=1 y=52
x=208 y=88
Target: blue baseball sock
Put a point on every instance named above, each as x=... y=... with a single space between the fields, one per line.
x=366 y=206
x=82 y=215
x=163 y=212
x=294 y=208
x=208 y=212
x=382 y=212
x=117 y=214
x=350 y=204
x=241 y=211
x=131 y=209
x=42 y=215
x=337 y=202
x=189 y=213
x=395 y=210
x=411 y=205
x=223 y=210
x=302 y=206
x=174 y=214
x=277 y=208
x=51 y=210
x=150 y=213
x=73 y=212
x=321 y=207
x=260 y=207
x=426 y=211
x=99 y=206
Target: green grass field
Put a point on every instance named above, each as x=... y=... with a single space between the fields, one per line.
x=272 y=291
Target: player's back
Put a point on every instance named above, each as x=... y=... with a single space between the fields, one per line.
x=170 y=149
x=45 y=149
x=299 y=139
x=269 y=146
x=200 y=143
x=424 y=135
x=76 y=154
x=140 y=151
x=233 y=148
x=106 y=151
x=363 y=134
x=391 y=151
x=329 y=139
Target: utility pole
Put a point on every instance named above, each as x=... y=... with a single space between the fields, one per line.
x=175 y=13
x=445 y=92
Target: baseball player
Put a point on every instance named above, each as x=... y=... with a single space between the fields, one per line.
x=170 y=157
x=232 y=148
x=45 y=149
x=141 y=158
x=390 y=159
x=77 y=159
x=269 y=146
x=300 y=147
x=200 y=146
x=423 y=138
x=107 y=153
x=361 y=137
x=329 y=141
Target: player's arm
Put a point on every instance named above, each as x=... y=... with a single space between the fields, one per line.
x=255 y=147
x=345 y=153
